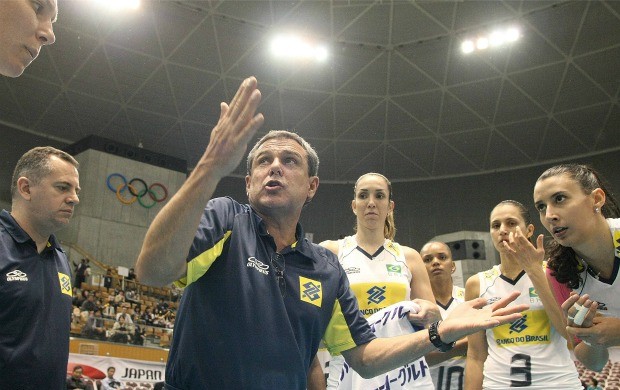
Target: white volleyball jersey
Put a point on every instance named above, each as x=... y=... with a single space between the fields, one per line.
x=377 y=280
x=389 y=322
x=603 y=291
x=527 y=352
x=449 y=375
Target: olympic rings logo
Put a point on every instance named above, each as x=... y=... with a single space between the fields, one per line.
x=138 y=189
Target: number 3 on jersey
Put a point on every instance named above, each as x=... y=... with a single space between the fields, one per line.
x=521 y=366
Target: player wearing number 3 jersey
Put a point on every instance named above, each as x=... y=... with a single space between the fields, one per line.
x=529 y=352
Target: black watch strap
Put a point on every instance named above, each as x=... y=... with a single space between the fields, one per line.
x=433 y=335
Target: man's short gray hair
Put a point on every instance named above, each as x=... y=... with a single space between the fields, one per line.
x=34 y=164
x=313 y=158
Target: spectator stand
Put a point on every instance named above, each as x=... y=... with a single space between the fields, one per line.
x=608 y=378
x=113 y=292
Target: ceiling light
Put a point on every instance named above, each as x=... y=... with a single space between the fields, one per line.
x=119 y=4
x=321 y=53
x=495 y=39
x=512 y=34
x=467 y=46
x=294 y=47
x=482 y=43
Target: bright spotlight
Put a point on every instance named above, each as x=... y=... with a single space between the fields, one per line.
x=496 y=38
x=512 y=34
x=293 y=47
x=119 y=4
x=467 y=47
x=321 y=53
x=282 y=45
x=482 y=43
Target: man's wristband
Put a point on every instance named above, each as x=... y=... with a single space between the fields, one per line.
x=433 y=336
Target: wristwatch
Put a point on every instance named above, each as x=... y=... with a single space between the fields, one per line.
x=433 y=335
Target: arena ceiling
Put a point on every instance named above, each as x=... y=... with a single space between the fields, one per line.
x=396 y=95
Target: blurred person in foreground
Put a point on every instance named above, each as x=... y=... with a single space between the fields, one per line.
x=25 y=27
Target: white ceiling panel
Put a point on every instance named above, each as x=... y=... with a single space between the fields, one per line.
x=395 y=94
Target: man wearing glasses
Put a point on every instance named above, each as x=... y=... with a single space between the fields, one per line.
x=259 y=298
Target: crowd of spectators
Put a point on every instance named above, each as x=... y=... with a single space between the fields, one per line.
x=122 y=310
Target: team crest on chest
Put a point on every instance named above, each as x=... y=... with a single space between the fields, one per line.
x=533 y=328
x=376 y=294
x=310 y=291
x=65 y=284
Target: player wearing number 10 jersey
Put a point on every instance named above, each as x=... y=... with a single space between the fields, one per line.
x=448 y=375
x=447 y=368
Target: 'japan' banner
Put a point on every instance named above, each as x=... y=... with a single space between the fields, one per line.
x=128 y=371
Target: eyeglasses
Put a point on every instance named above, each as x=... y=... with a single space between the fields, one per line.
x=279 y=265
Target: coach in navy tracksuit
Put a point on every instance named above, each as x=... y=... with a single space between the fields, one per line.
x=260 y=296
x=35 y=276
